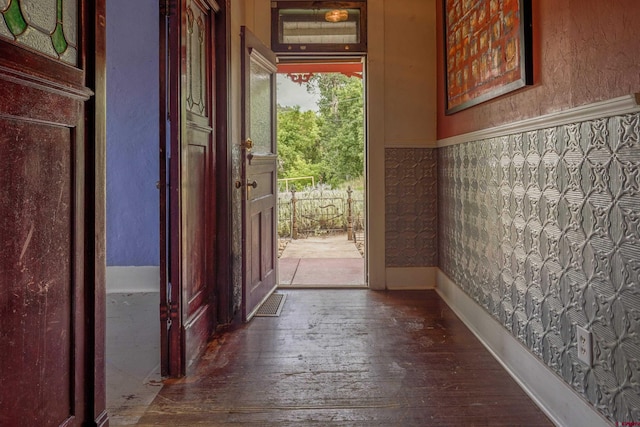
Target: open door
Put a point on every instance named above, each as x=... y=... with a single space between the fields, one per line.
x=51 y=213
x=187 y=177
x=259 y=173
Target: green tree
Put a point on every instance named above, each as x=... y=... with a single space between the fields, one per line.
x=341 y=123
x=298 y=143
x=328 y=145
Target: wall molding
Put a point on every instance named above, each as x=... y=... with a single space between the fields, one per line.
x=430 y=143
x=553 y=396
x=133 y=279
x=410 y=278
x=612 y=107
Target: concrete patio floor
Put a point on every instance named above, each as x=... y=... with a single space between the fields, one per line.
x=321 y=262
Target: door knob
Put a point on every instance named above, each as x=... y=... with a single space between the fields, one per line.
x=252 y=184
x=247 y=144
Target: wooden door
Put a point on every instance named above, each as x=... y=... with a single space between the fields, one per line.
x=188 y=292
x=51 y=213
x=259 y=173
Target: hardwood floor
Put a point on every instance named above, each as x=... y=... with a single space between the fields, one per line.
x=347 y=358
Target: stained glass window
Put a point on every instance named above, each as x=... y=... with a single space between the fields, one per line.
x=47 y=26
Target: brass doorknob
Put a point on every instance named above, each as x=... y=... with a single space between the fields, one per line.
x=247 y=144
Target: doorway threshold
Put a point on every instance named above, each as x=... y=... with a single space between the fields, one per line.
x=298 y=287
x=321 y=262
x=321 y=272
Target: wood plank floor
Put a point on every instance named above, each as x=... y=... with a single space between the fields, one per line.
x=347 y=358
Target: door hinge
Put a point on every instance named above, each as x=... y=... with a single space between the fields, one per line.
x=168 y=312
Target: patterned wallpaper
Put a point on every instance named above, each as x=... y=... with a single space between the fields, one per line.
x=542 y=229
x=411 y=218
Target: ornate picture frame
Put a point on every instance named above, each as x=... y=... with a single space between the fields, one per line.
x=487 y=48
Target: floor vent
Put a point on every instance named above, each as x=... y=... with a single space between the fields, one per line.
x=272 y=306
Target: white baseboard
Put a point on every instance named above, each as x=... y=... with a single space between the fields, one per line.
x=411 y=278
x=555 y=397
x=133 y=279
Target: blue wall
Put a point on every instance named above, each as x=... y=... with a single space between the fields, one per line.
x=132 y=133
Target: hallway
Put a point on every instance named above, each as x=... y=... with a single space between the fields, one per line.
x=347 y=357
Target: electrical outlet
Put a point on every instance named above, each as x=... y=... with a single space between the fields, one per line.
x=584 y=344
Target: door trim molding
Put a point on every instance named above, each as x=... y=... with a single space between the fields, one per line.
x=224 y=169
x=95 y=53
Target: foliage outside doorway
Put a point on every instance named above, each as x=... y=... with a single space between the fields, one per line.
x=321 y=161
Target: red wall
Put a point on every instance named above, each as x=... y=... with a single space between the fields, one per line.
x=584 y=51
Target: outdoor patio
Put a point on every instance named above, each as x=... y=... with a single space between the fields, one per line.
x=321 y=262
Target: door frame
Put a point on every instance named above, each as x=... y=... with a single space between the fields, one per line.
x=94 y=18
x=224 y=165
x=336 y=58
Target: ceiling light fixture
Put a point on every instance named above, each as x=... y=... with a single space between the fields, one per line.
x=336 y=15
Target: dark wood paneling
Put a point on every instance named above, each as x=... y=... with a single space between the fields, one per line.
x=40 y=70
x=36 y=103
x=262 y=203
x=262 y=254
x=188 y=208
x=198 y=188
x=199 y=309
x=52 y=232
x=197 y=331
x=37 y=269
x=195 y=213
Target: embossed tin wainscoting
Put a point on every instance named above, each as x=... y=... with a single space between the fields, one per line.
x=411 y=218
x=542 y=229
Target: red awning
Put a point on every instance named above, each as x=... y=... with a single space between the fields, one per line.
x=301 y=73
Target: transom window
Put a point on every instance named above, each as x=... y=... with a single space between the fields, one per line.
x=319 y=26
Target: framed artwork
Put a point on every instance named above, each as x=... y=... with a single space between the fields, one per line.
x=487 y=50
